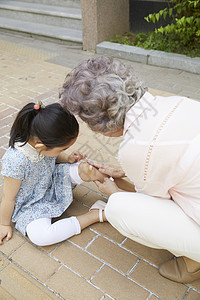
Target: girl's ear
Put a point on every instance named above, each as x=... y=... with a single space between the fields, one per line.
x=40 y=147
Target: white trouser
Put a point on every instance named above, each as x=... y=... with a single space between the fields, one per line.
x=154 y=222
x=43 y=233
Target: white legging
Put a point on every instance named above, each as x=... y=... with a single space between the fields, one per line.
x=43 y=233
x=154 y=222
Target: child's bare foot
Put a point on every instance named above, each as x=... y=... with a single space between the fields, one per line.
x=89 y=173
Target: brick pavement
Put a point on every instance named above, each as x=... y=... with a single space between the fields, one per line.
x=99 y=263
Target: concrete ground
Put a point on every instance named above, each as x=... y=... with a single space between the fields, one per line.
x=99 y=263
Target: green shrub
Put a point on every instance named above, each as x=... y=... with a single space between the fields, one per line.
x=182 y=35
x=185 y=25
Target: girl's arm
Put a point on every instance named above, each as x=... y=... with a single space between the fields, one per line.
x=10 y=189
x=72 y=158
x=63 y=157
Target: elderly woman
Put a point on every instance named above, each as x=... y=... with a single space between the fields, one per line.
x=160 y=154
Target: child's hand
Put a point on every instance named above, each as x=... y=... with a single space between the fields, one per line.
x=75 y=157
x=5 y=231
x=108 y=187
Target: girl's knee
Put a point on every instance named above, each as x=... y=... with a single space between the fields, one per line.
x=37 y=236
x=34 y=239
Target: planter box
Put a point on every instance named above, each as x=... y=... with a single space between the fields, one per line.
x=150 y=57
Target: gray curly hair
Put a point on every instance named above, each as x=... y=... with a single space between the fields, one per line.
x=101 y=90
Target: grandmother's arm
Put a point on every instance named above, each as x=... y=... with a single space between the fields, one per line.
x=109 y=187
x=125 y=185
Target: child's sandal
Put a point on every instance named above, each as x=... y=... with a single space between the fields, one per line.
x=100 y=205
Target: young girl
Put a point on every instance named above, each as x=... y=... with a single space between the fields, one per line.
x=38 y=176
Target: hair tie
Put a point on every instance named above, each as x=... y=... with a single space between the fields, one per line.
x=38 y=105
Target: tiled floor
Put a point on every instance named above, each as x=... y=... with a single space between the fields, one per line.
x=99 y=263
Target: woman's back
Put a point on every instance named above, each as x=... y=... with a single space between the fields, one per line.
x=156 y=136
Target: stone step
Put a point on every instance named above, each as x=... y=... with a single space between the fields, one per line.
x=63 y=3
x=66 y=35
x=41 y=13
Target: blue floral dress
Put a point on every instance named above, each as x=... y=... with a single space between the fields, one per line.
x=46 y=189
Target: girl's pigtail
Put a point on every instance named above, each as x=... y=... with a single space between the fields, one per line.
x=20 y=131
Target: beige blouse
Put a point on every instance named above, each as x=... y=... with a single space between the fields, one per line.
x=160 y=151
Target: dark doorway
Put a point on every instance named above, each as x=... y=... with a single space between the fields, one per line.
x=140 y=9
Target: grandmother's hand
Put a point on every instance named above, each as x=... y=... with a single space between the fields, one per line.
x=112 y=171
x=108 y=187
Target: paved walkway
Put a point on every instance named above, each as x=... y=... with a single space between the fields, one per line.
x=100 y=263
